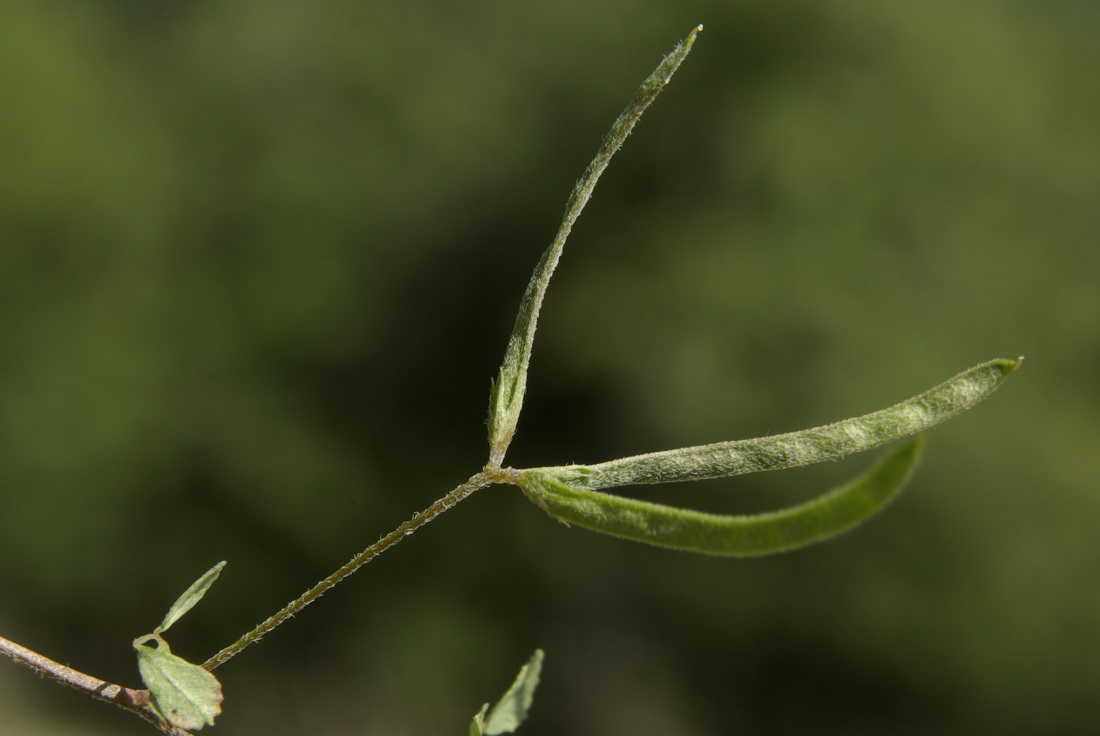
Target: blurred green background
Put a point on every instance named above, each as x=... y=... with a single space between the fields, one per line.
x=259 y=259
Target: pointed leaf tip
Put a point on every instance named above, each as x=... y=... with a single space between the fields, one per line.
x=511 y=710
x=191 y=596
x=477 y=725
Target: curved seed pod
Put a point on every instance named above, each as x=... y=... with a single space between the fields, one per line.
x=506 y=393
x=793 y=449
x=826 y=516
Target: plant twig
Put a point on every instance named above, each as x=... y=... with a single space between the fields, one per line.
x=135 y=701
x=486 y=477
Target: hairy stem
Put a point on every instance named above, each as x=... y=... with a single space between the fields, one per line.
x=486 y=477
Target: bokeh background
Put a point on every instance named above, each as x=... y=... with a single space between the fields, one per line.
x=259 y=259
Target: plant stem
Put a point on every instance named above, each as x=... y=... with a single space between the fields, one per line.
x=491 y=474
x=135 y=701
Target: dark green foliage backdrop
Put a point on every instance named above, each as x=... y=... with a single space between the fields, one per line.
x=258 y=261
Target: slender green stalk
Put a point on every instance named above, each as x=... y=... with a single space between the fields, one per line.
x=507 y=394
x=476 y=482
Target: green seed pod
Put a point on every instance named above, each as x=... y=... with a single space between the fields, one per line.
x=826 y=516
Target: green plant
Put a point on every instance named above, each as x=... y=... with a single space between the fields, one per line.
x=182 y=696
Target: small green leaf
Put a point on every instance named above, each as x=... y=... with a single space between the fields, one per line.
x=511 y=710
x=191 y=596
x=184 y=694
x=793 y=449
x=826 y=516
x=506 y=393
x=477 y=726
